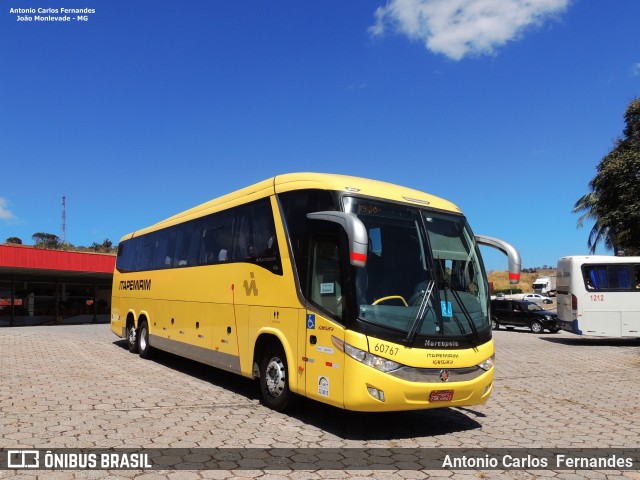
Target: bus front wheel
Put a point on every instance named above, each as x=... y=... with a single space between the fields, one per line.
x=274 y=379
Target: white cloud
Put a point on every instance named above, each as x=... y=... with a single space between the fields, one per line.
x=457 y=28
x=5 y=214
x=357 y=86
x=635 y=70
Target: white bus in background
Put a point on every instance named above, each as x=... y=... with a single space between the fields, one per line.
x=599 y=295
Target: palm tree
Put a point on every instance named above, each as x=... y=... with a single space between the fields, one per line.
x=587 y=204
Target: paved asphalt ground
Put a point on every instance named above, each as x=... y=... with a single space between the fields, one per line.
x=78 y=387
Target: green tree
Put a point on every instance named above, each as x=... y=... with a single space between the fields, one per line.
x=599 y=233
x=15 y=240
x=46 y=240
x=614 y=201
x=105 y=247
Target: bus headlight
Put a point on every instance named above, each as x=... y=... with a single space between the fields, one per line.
x=367 y=358
x=488 y=363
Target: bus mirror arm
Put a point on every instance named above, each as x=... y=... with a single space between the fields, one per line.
x=356 y=233
x=509 y=250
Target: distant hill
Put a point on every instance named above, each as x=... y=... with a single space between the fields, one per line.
x=500 y=279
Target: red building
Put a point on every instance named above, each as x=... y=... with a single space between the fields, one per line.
x=39 y=286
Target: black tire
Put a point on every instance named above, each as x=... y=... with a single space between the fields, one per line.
x=554 y=330
x=132 y=338
x=144 y=349
x=494 y=323
x=536 y=327
x=274 y=379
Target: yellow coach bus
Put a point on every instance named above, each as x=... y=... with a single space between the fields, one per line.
x=353 y=292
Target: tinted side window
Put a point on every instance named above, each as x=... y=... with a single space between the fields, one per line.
x=295 y=206
x=217 y=235
x=242 y=234
x=146 y=249
x=254 y=236
x=127 y=252
x=611 y=277
x=325 y=282
x=189 y=239
x=165 y=248
x=265 y=242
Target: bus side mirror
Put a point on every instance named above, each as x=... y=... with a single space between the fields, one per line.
x=509 y=250
x=356 y=233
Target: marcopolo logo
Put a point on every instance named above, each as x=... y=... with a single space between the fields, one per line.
x=143 y=284
x=441 y=343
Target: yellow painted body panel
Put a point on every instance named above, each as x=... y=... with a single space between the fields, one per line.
x=324 y=364
x=409 y=395
x=196 y=305
x=404 y=395
x=225 y=308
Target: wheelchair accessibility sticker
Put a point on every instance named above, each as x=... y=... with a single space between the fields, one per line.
x=311 y=321
x=447 y=311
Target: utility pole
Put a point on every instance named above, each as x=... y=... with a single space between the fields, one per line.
x=64 y=219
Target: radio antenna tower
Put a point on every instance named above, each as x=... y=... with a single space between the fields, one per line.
x=64 y=219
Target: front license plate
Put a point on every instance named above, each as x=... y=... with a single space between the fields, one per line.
x=441 y=396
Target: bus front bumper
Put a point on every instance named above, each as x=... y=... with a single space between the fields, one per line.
x=369 y=390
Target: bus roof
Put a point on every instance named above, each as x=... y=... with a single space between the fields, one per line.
x=299 y=181
x=361 y=186
x=586 y=259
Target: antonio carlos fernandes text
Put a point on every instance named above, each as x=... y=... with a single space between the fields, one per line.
x=531 y=461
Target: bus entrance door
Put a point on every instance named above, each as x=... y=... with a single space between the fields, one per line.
x=324 y=371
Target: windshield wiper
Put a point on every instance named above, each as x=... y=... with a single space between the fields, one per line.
x=465 y=314
x=417 y=322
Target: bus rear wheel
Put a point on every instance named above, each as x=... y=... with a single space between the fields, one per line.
x=144 y=349
x=132 y=338
x=274 y=379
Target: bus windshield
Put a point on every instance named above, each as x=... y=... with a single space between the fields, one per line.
x=423 y=276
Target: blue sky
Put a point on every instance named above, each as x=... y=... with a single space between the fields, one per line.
x=504 y=107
